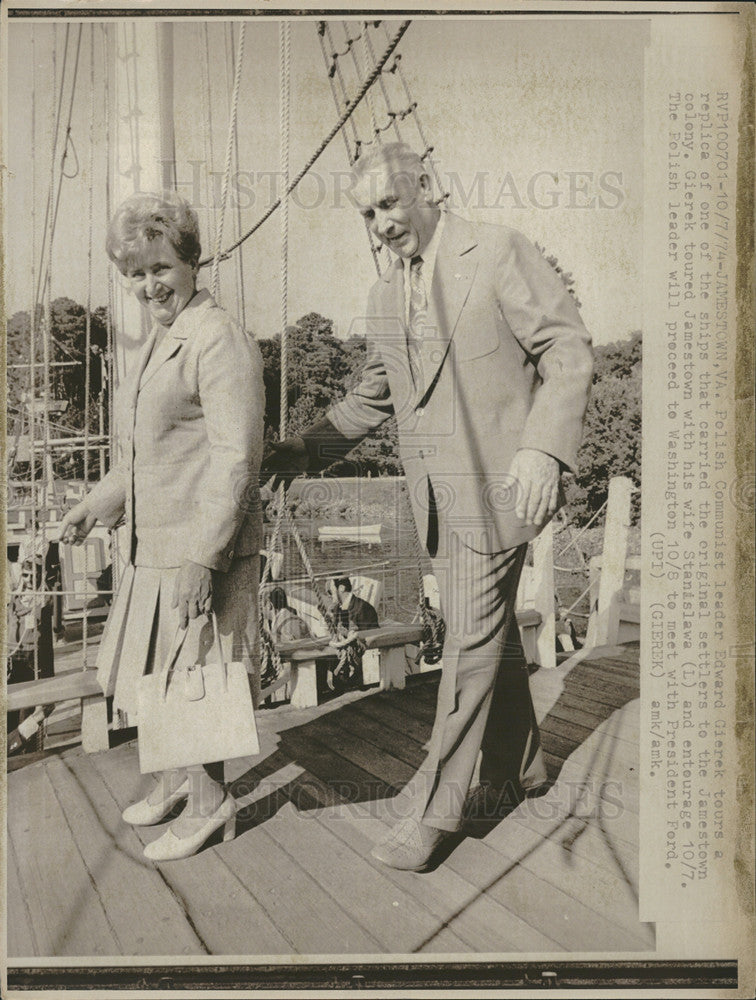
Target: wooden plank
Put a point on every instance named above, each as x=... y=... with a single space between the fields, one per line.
x=21 y=940
x=573 y=925
x=564 y=740
x=606 y=693
x=394 y=720
x=586 y=840
x=145 y=915
x=49 y=690
x=385 y=910
x=357 y=751
x=417 y=701
x=610 y=896
x=223 y=914
x=578 y=735
x=387 y=743
x=65 y=910
x=585 y=800
x=597 y=671
x=320 y=760
x=568 y=719
x=484 y=924
x=313 y=921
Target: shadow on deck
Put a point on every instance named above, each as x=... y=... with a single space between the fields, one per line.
x=560 y=873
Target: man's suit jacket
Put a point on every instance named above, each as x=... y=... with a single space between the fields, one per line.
x=506 y=363
x=192 y=424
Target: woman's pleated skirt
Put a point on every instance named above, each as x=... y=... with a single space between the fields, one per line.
x=143 y=623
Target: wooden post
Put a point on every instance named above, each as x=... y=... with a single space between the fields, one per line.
x=371 y=666
x=393 y=667
x=94 y=724
x=304 y=684
x=543 y=577
x=603 y=626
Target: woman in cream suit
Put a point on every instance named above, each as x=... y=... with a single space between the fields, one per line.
x=192 y=427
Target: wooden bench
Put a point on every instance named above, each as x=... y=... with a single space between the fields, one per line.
x=384 y=660
x=68 y=686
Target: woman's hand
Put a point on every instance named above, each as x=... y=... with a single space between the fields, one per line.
x=193 y=592
x=77 y=524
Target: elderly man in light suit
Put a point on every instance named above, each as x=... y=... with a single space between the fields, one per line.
x=477 y=347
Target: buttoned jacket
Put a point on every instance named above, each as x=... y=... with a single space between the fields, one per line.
x=192 y=429
x=503 y=362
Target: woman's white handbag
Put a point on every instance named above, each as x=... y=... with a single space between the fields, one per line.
x=195 y=714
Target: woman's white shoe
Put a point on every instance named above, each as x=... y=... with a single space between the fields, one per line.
x=169 y=847
x=144 y=813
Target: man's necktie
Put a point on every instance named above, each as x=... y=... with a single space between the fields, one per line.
x=418 y=312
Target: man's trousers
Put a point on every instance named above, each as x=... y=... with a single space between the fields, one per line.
x=484 y=701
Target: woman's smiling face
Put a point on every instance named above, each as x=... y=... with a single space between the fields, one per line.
x=161 y=281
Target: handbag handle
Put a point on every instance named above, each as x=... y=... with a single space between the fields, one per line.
x=178 y=642
x=219 y=649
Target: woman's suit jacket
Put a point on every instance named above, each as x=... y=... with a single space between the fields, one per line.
x=505 y=363
x=192 y=431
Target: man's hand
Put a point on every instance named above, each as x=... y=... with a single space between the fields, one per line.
x=537 y=475
x=193 y=592
x=77 y=524
x=284 y=461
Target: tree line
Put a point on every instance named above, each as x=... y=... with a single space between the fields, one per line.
x=321 y=368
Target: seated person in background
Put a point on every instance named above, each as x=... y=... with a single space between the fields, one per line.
x=352 y=615
x=351 y=612
x=284 y=623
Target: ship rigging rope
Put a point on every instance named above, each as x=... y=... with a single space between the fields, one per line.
x=227 y=167
x=88 y=330
x=323 y=30
x=345 y=116
x=241 y=284
x=68 y=142
x=335 y=73
x=284 y=33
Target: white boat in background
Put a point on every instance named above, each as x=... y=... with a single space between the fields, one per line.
x=369 y=534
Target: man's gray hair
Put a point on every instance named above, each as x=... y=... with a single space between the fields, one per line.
x=397 y=155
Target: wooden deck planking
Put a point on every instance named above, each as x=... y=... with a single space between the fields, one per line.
x=393 y=719
x=65 y=910
x=609 y=894
x=565 y=919
x=218 y=907
x=299 y=879
x=391 y=913
x=315 y=923
x=483 y=923
x=126 y=883
x=21 y=939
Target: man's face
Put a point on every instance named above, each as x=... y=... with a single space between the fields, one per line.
x=398 y=208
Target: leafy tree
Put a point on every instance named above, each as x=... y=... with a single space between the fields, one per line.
x=612 y=439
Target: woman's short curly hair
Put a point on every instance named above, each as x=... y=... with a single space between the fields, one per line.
x=142 y=218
